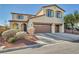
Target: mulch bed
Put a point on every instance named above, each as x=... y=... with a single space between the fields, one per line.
x=1 y=41
x=20 y=42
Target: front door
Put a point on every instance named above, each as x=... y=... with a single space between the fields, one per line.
x=25 y=27
x=56 y=28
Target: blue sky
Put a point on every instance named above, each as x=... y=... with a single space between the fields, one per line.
x=6 y=9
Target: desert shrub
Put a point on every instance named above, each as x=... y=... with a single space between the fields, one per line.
x=0 y=33
x=11 y=40
x=9 y=33
x=21 y=35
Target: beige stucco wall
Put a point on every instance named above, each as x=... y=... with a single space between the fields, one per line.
x=62 y=28
x=54 y=8
x=53 y=28
x=45 y=19
x=50 y=20
x=20 y=25
x=15 y=17
x=40 y=12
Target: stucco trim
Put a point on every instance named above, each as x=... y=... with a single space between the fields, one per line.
x=41 y=23
x=37 y=16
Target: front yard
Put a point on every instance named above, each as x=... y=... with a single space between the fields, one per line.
x=43 y=43
x=13 y=38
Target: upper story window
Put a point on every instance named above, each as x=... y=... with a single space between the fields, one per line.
x=49 y=13
x=20 y=17
x=58 y=14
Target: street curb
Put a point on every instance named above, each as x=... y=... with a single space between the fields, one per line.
x=18 y=48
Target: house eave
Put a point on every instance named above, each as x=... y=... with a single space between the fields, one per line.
x=17 y=21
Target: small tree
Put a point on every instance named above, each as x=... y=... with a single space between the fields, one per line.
x=72 y=19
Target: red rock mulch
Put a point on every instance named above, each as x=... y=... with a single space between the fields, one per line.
x=1 y=41
x=20 y=42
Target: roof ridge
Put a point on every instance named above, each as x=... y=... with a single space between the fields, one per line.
x=22 y=14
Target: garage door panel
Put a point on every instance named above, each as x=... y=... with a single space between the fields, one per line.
x=42 y=28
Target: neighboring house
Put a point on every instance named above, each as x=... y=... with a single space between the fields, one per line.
x=47 y=20
x=3 y=28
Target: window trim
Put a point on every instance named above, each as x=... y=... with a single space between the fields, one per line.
x=49 y=13
x=20 y=17
x=60 y=16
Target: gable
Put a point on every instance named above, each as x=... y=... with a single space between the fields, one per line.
x=40 y=12
x=52 y=7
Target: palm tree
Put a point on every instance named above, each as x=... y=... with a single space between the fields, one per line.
x=72 y=19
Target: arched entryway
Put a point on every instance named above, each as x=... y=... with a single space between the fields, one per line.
x=24 y=27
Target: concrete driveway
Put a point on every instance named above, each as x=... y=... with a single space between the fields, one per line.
x=60 y=36
x=63 y=46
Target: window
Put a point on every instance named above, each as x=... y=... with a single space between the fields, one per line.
x=58 y=14
x=50 y=13
x=20 y=17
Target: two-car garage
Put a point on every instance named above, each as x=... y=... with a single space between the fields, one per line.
x=46 y=28
x=42 y=28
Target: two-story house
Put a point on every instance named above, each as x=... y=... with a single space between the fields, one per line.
x=47 y=20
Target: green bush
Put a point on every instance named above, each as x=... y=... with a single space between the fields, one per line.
x=12 y=40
